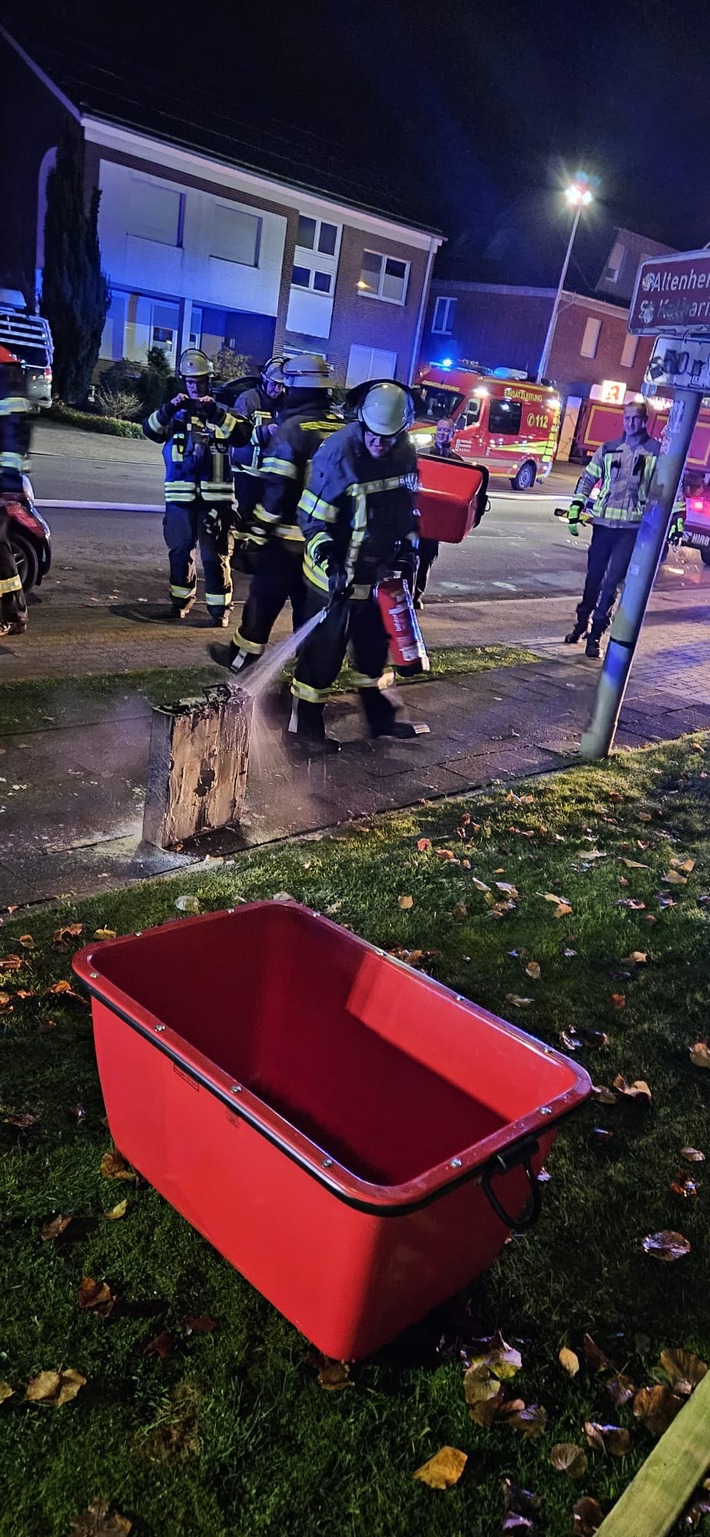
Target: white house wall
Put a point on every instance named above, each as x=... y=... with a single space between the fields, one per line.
x=189 y=270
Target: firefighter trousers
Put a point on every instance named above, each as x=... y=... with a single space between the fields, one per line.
x=353 y=625
x=428 y=553
x=13 y=607
x=277 y=580
x=607 y=563
x=185 y=525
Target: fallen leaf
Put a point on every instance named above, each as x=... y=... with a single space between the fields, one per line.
x=447 y=854
x=565 y=1457
x=602 y=1136
x=604 y=1095
x=569 y=1361
x=620 y=1389
x=98 y=1520
x=333 y=1375
x=406 y=901
x=55 y=1228
x=26 y=941
x=634 y=864
x=666 y=1245
x=520 y=1500
x=700 y=1054
x=161 y=1345
x=637 y=1090
x=202 y=1324
x=505 y=886
x=613 y=1439
x=686 y=865
x=114 y=1166
x=479 y=885
x=633 y=904
x=96 y=1297
x=443 y=1470
x=549 y=896
x=656 y=1407
x=692 y=1155
x=66 y=990
x=518 y=1003
x=698 y=1507
x=562 y=911
x=587 y=1517
x=684 y=1369
x=499 y=1357
x=6 y=1391
x=116 y=1212
x=46 y=1026
x=12 y=962
x=25 y=992
x=67 y=931
x=423 y=844
x=55 y=1388
x=618 y=1000
x=684 y=1186
x=636 y=958
x=5 y=1003
x=460 y=910
x=533 y=970
x=488 y=1410
x=595 y=1356
x=192 y=904
x=530 y=1421
x=104 y=933
x=674 y=878
x=22 y=1119
x=480 y=1384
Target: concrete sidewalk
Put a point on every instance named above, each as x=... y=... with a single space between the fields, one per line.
x=71 y=797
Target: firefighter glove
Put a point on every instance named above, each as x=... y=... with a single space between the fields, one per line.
x=177 y=403
x=675 y=532
x=246 y=553
x=573 y=517
x=211 y=410
x=338 y=583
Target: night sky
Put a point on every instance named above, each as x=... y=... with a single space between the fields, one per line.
x=475 y=111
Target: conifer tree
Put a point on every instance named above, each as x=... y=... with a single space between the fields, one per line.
x=75 y=291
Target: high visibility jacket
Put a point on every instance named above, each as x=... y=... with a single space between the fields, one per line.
x=246 y=458
x=300 y=431
x=195 y=451
x=16 y=414
x=357 y=513
x=625 y=471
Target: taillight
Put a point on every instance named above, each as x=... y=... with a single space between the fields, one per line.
x=696 y=504
x=48 y=375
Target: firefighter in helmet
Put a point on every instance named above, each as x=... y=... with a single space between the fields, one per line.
x=196 y=433
x=15 y=427
x=272 y=543
x=357 y=517
x=259 y=404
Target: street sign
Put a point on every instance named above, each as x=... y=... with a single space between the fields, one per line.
x=672 y=295
x=683 y=364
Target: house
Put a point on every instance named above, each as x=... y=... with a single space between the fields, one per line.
x=211 y=237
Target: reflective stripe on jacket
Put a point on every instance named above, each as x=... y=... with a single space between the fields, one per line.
x=624 y=472
x=195 y=451
x=357 y=512
x=300 y=432
x=16 y=413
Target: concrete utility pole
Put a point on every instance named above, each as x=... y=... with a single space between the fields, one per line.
x=579 y=195
x=598 y=739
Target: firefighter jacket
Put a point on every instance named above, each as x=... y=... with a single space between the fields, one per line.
x=246 y=458
x=357 y=512
x=300 y=431
x=625 y=473
x=16 y=414
x=195 y=450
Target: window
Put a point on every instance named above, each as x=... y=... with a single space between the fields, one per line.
x=590 y=339
x=312 y=277
x=504 y=416
x=472 y=413
x=444 y=312
x=164 y=328
x=316 y=235
x=383 y=277
x=235 y=235
x=195 y=336
x=438 y=401
x=628 y=354
x=155 y=212
x=616 y=258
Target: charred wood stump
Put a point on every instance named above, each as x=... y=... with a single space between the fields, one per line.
x=197 y=771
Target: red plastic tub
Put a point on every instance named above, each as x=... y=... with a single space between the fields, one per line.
x=451 y=499
x=329 y=1118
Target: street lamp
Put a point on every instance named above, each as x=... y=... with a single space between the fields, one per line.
x=578 y=195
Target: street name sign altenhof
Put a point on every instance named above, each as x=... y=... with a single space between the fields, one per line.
x=672 y=296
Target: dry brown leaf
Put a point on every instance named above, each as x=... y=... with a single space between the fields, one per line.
x=636 y=958
x=333 y=1375
x=114 y=1166
x=700 y=1054
x=549 y=896
x=508 y=889
x=116 y=1212
x=55 y=1388
x=96 y=1297
x=201 y=1324
x=604 y=1095
x=55 y=1228
x=12 y=962
x=686 y=865
x=26 y=941
x=684 y=1186
x=406 y=901
x=618 y=1000
x=479 y=1384
x=498 y=1356
x=587 y=1517
x=620 y=1389
x=569 y=1361
x=516 y=1002
x=666 y=1245
x=479 y=885
x=423 y=844
x=446 y=854
x=104 y=933
x=98 y=1520
x=25 y=992
x=634 y=864
x=487 y=1410
x=66 y=990
x=533 y=970
x=66 y=932
x=656 y=1407
x=684 y=1369
x=23 y=1120
x=613 y=1439
x=674 y=878
x=637 y=1090
x=5 y=1003
x=444 y=1469
x=565 y=1457
x=692 y=1155
x=562 y=911
x=595 y=1356
x=161 y=1345
x=460 y=910
x=6 y=1391
x=46 y=1026
x=530 y=1421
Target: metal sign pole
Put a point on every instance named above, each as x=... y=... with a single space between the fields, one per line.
x=598 y=739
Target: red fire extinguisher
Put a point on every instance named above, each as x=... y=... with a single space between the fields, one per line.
x=407 y=648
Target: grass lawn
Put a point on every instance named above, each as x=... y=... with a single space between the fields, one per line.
x=37 y=703
x=229 y=1431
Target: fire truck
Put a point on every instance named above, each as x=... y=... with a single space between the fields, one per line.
x=502 y=419
x=601 y=422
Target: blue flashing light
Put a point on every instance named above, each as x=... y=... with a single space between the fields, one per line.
x=447 y=362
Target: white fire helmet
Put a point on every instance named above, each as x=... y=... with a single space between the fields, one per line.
x=194 y=364
x=306 y=371
x=387 y=409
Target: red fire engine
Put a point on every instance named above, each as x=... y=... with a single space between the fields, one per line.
x=502 y=419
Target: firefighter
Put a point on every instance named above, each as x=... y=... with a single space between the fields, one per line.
x=259 y=405
x=196 y=433
x=357 y=517
x=624 y=466
x=273 y=542
x=429 y=548
x=15 y=429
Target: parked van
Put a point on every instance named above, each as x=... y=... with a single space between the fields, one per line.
x=30 y=338
x=502 y=419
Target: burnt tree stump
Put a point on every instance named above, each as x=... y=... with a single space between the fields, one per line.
x=197 y=770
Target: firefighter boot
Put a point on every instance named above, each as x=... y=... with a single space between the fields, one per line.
x=578 y=632
x=306 y=730
x=593 y=646
x=232 y=657
x=382 y=717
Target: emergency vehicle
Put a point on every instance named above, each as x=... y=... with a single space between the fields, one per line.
x=600 y=422
x=502 y=419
